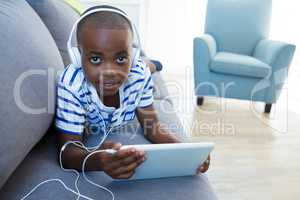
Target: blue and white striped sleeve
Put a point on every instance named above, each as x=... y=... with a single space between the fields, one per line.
x=147 y=90
x=70 y=115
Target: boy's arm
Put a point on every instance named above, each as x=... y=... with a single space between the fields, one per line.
x=120 y=165
x=153 y=65
x=73 y=156
x=153 y=131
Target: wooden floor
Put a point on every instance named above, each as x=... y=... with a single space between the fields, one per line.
x=256 y=156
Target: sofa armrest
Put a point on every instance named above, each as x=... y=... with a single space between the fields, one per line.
x=277 y=54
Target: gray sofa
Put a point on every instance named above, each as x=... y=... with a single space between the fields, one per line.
x=33 y=51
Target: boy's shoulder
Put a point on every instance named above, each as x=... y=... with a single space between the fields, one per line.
x=139 y=70
x=72 y=78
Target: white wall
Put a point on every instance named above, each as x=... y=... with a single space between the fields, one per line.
x=171 y=27
x=285 y=24
x=132 y=7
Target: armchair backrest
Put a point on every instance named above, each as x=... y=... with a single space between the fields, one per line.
x=238 y=25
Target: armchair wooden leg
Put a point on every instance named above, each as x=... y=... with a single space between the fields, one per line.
x=268 y=107
x=200 y=101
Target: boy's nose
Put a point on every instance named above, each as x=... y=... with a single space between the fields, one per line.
x=109 y=73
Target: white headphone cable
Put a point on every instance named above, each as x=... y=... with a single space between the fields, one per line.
x=91 y=150
x=77 y=192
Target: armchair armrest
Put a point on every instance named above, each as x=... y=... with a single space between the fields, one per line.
x=205 y=48
x=277 y=54
x=208 y=42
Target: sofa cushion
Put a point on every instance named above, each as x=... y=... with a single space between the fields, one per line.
x=41 y=164
x=26 y=45
x=59 y=18
x=241 y=65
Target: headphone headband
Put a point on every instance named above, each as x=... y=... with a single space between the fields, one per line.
x=95 y=11
x=73 y=56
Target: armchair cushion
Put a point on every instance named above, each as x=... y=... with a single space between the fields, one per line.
x=236 y=64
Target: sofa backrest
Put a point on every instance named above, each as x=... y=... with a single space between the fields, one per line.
x=29 y=59
x=59 y=18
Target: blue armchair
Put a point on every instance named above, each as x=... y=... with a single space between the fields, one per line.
x=234 y=58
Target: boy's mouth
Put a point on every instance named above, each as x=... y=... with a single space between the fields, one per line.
x=109 y=85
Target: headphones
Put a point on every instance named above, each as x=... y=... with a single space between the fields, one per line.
x=74 y=54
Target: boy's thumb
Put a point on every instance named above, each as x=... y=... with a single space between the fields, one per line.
x=116 y=146
x=111 y=145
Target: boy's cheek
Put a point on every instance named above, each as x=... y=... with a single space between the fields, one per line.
x=92 y=74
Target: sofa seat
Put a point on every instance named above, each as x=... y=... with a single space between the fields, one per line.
x=241 y=65
x=42 y=164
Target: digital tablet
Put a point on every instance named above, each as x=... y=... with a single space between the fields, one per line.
x=170 y=160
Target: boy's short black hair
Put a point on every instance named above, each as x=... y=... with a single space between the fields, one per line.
x=102 y=6
x=108 y=20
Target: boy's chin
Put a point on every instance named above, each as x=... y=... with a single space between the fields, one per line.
x=109 y=93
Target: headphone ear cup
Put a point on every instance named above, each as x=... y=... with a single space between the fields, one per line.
x=75 y=57
x=135 y=56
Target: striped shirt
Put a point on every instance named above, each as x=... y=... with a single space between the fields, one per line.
x=80 y=109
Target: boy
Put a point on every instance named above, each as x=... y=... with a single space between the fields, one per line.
x=106 y=91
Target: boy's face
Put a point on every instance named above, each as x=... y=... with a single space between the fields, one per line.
x=106 y=57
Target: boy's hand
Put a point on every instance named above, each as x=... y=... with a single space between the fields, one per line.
x=122 y=164
x=204 y=167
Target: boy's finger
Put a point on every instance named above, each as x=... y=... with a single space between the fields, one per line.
x=124 y=162
x=138 y=159
x=132 y=156
x=106 y=145
x=128 y=160
x=115 y=164
x=124 y=157
x=123 y=153
x=202 y=169
x=128 y=168
x=126 y=176
x=116 y=146
x=137 y=155
x=111 y=145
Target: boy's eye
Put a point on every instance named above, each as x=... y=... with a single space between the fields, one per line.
x=95 y=60
x=122 y=60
